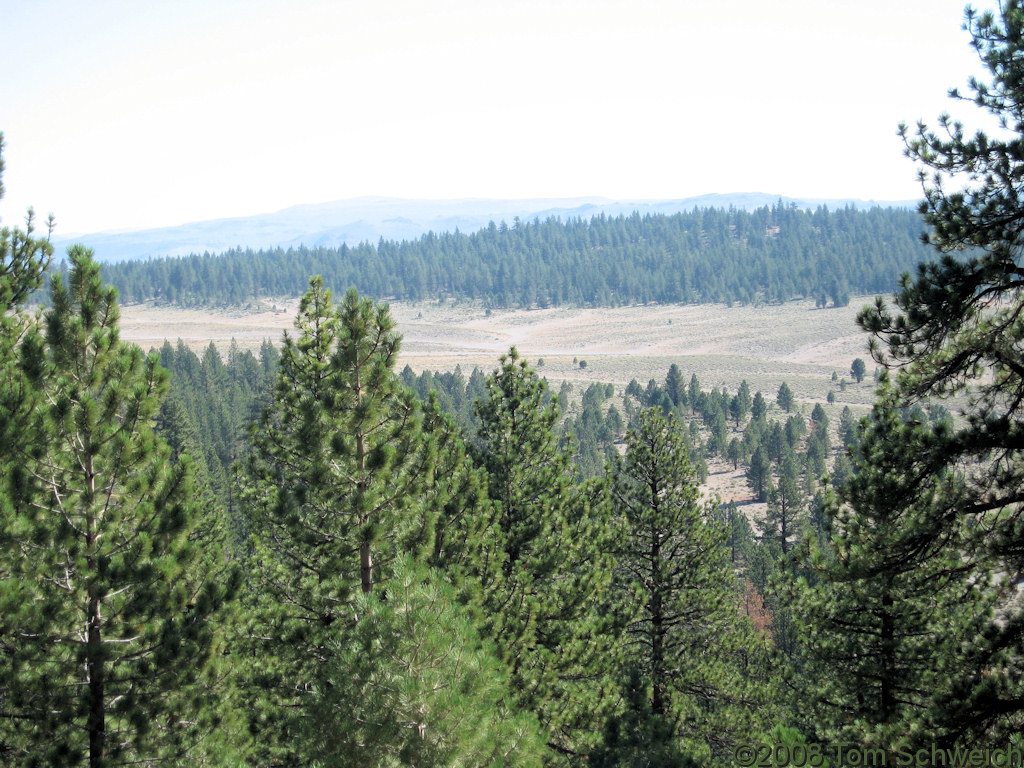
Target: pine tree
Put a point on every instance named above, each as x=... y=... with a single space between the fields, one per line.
x=759 y=407
x=736 y=410
x=955 y=329
x=785 y=505
x=858 y=369
x=847 y=427
x=335 y=489
x=115 y=578
x=468 y=545
x=777 y=446
x=744 y=400
x=23 y=260
x=734 y=452
x=759 y=474
x=688 y=636
x=818 y=415
x=693 y=392
x=639 y=738
x=548 y=614
x=674 y=386
x=413 y=684
x=785 y=397
x=882 y=635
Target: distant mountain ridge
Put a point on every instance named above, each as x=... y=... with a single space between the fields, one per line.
x=368 y=219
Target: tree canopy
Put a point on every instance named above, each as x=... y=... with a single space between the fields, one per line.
x=773 y=254
x=955 y=329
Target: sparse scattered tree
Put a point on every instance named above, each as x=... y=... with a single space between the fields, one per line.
x=674 y=386
x=858 y=370
x=785 y=397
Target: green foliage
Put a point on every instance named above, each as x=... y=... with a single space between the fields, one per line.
x=847 y=427
x=639 y=738
x=207 y=412
x=23 y=261
x=711 y=255
x=858 y=369
x=734 y=452
x=740 y=404
x=111 y=578
x=548 y=612
x=688 y=644
x=785 y=505
x=956 y=329
x=674 y=386
x=785 y=397
x=335 y=488
x=818 y=415
x=759 y=474
x=412 y=683
x=882 y=635
x=593 y=433
x=759 y=407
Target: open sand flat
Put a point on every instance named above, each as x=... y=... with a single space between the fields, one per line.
x=794 y=342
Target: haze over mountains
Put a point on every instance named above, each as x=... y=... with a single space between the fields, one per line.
x=368 y=219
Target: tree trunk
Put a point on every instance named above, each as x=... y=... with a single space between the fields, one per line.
x=366 y=566
x=94 y=665
x=657 y=617
x=94 y=642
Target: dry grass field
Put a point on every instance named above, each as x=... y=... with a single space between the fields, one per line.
x=723 y=345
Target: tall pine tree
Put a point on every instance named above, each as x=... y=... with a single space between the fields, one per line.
x=115 y=579
x=339 y=484
x=955 y=329
x=687 y=642
x=23 y=260
x=549 y=612
x=883 y=636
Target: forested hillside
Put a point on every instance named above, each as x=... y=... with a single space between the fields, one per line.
x=710 y=255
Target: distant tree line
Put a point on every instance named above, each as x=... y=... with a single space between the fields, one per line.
x=769 y=255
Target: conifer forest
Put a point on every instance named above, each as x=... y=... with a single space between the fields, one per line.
x=312 y=555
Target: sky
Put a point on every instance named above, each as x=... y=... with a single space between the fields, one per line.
x=119 y=114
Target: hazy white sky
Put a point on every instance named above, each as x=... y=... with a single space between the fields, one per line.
x=123 y=114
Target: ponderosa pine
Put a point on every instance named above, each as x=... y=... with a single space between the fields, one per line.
x=333 y=492
x=23 y=260
x=955 y=329
x=549 y=614
x=413 y=683
x=883 y=638
x=114 y=579
x=687 y=643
